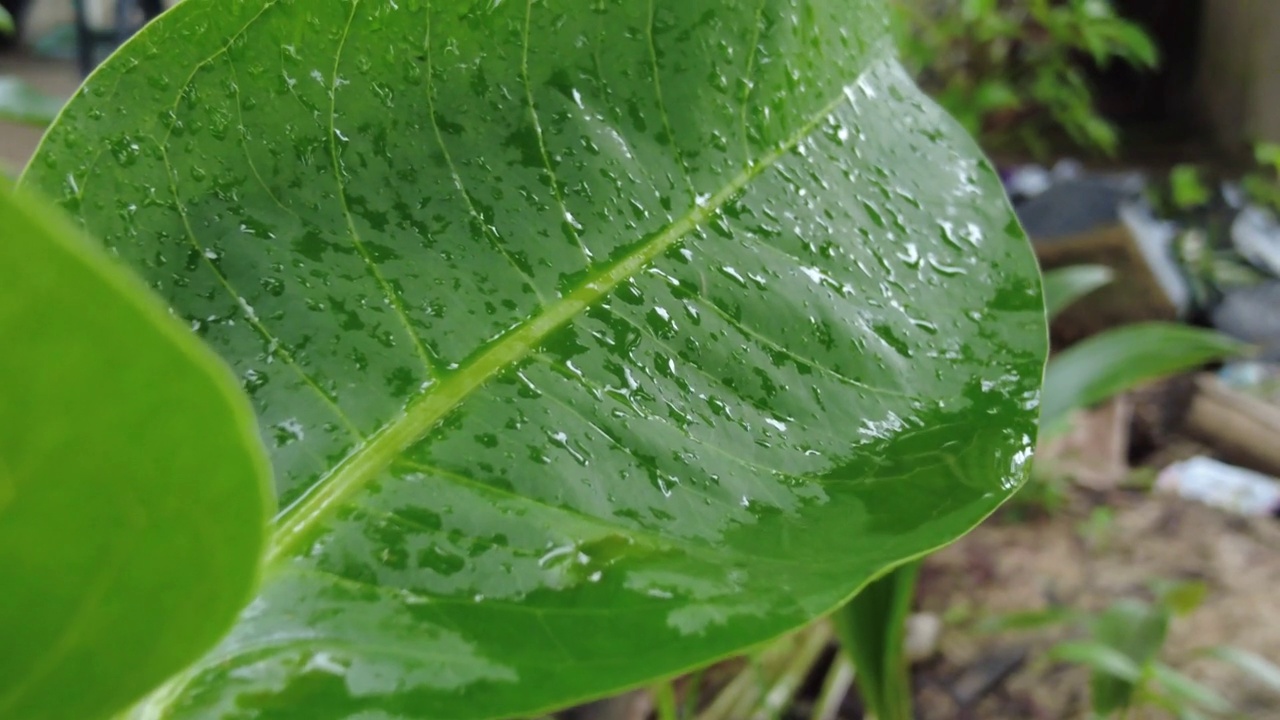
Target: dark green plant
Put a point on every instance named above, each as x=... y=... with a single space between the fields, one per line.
x=1011 y=70
x=588 y=344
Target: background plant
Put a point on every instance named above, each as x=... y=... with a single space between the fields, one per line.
x=1123 y=648
x=1013 y=71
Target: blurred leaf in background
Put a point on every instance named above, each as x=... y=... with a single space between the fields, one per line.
x=1011 y=70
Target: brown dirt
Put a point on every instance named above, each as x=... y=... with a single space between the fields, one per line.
x=1004 y=568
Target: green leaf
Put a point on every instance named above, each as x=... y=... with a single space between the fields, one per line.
x=1137 y=631
x=592 y=342
x=1121 y=359
x=1099 y=657
x=127 y=545
x=1255 y=665
x=1064 y=286
x=6 y=22
x=19 y=102
x=1186 y=691
x=1182 y=597
x=1188 y=188
x=1267 y=155
x=1027 y=620
x=872 y=630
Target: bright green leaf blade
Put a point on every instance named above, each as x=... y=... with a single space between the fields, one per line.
x=1255 y=665
x=19 y=102
x=1121 y=359
x=134 y=494
x=6 y=22
x=592 y=345
x=1064 y=286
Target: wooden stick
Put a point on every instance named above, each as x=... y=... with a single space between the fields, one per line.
x=1243 y=429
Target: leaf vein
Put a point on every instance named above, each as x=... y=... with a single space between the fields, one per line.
x=566 y=218
x=392 y=298
x=380 y=450
x=489 y=233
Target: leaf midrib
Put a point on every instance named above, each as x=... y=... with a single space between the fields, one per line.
x=379 y=450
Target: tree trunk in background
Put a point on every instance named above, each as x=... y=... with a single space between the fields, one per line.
x=1239 y=77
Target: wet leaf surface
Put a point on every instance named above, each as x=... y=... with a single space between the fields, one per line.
x=593 y=343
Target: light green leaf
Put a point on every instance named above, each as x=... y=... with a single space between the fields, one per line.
x=1181 y=597
x=592 y=342
x=1258 y=667
x=1187 y=691
x=1064 y=286
x=1121 y=359
x=1099 y=657
x=134 y=494
x=6 y=22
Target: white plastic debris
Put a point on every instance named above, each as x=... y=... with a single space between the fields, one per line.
x=1223 y=486
x=1028 y=181
x=1256 y=236
x=1155 y=238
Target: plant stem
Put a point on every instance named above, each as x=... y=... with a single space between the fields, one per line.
x=664 y=698
x=872 y=629
x=771 y=668
x=834 y=688
x=810 y=645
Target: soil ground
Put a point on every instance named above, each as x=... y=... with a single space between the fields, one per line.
x=1008 y=567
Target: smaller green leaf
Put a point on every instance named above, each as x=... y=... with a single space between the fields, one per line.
x=1121 y=359
x=1188 y=188
x=134 y=492
x=1027 y=620
x=21 y=103
x=6 y=22
x=1064 y=286
x=1182 y=598
x=1136 y=630
x=1268 y=154
x=1258 y=667
x=1186 y=690
x=1098 y=657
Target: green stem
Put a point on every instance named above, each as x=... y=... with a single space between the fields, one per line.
x=872 y=629
x=783 y=689
x=664 y=698
x=834 y=688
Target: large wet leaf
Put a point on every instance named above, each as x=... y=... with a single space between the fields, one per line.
x=593 y=341
x=127 y=546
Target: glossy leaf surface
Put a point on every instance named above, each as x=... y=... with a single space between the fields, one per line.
x=127 y=546
x=593 y=341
